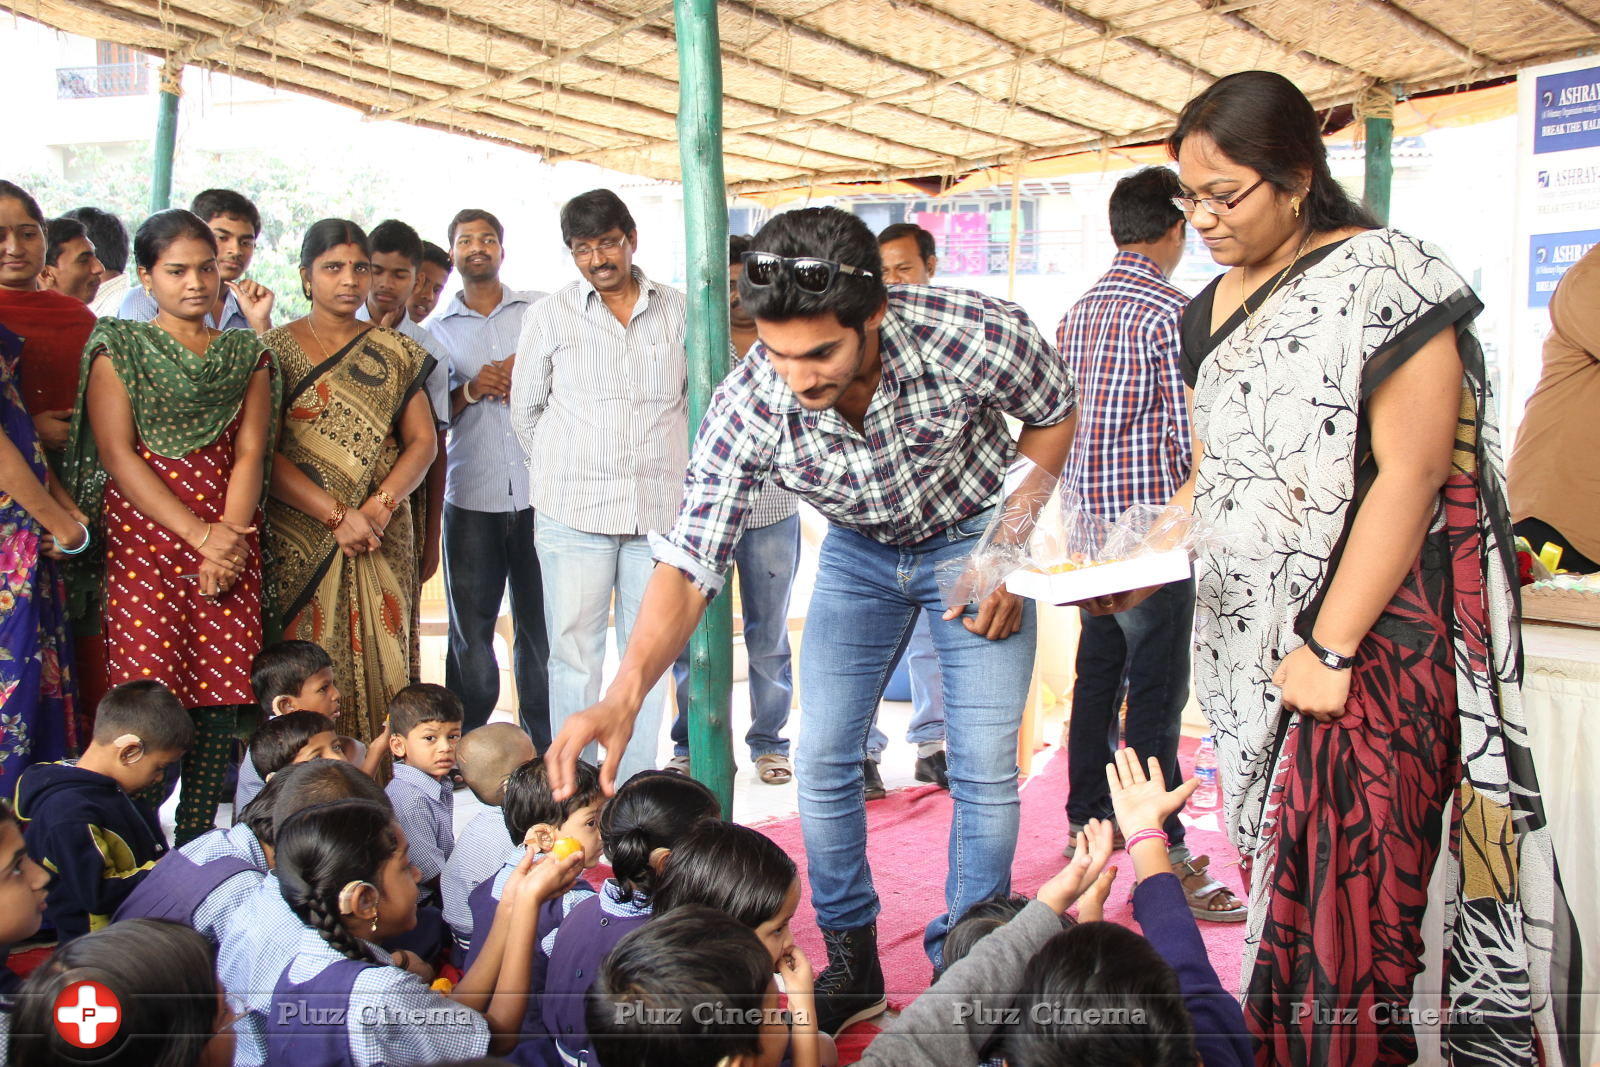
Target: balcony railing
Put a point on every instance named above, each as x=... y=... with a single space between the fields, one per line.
x=107 y=79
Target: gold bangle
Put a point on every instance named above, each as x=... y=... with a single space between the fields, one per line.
x=204 y=539
x=336 y=516
x=387 y=499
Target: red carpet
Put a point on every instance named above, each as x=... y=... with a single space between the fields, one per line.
x=908 y=833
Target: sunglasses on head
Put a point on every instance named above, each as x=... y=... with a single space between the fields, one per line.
x=808 y=272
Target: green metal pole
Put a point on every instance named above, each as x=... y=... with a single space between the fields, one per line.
x=166 y=137
x=1380 y=162
x=706 y=231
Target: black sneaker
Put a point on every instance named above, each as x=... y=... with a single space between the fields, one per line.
x=851 y=989
x=932 y=769
x=872 y=781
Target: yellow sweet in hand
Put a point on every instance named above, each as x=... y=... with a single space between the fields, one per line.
x=565 y=847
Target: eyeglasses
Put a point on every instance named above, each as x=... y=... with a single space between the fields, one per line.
x=605 y=247
x=1213 y=204
x=808 y=272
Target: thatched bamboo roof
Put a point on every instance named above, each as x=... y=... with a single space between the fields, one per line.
x=829 y=90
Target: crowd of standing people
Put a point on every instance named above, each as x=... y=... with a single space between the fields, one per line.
x=191 y=493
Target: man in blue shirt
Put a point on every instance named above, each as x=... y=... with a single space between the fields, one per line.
x=245 y=305
x=488 y=521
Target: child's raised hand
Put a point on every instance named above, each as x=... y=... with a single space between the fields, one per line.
x=1092 y=904
x=1142 y=801
x=798 y=977
x=410 y=961
x=1094 y=849
x=550 y=877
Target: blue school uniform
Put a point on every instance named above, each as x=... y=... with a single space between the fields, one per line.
x=423 y=807
x=10 y=982
x=249 y=784
x=477 y=855
x=201 y=896
x=97 y=840
x=332 y=1011
x=485 y=899
x=255 y=948
x=587 y=935
x=238 y=841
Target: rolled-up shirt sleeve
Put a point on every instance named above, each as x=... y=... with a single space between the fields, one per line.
x=1028 y=379
x=729 y=466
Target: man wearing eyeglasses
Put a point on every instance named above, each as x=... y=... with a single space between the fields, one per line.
x=599 y=400
x=884 y=409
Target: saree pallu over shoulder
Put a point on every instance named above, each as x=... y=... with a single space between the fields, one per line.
x=340 y=419
x=1280 y=407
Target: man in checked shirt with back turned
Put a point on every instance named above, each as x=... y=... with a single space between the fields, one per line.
x=885 y=411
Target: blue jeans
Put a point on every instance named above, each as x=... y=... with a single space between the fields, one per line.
x=927 y=692
x=862 y=610
x=483 y=552
x=1149 y=645
x=581 y=572
x=766 y=558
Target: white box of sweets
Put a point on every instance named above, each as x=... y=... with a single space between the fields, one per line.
x=1100 y=579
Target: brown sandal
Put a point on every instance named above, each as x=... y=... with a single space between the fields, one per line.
x=1209 y=892
x=774 y=768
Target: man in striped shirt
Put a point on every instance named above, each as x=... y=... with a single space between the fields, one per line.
x=1121 y=342
x=883 y=408
x=600 y=402
x=488 y=520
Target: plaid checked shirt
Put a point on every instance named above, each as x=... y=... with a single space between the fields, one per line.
x=935 y=446
x=1121 y=342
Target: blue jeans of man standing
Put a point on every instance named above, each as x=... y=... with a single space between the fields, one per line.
x=766 y=558
x=484 y=551
x=926 y=727
x=1149 y=646
x=861 y=614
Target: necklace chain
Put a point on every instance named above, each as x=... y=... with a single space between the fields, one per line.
x=313 y=327
x=1244 y=279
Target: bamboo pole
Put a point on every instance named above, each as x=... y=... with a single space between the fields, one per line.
x=706 y=231
x=166 y=136
x=1377 y=110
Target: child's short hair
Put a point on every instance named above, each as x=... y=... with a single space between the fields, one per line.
x=8 y=814
x=163 y=975
x=1104 y=966
x=320 y=781
x=652 y=810
x=488 y=755
x=420 y=703
x=980 y=920
x=257 y=814
x=528 y=801
x=732 y=868
x=149 y=711
x=274 y=746
x=672 y=968
x=281 y=670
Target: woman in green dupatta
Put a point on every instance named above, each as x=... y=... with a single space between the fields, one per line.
x=168 y=455
x=356 y=442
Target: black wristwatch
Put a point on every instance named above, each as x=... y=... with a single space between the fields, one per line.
x=1329 y=658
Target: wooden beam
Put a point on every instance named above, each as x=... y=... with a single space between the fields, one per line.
x=1107 y=31
x=1427 y=31
x=505 y=81
x=1561 y=10
x=266 y=22
x=1239 y=22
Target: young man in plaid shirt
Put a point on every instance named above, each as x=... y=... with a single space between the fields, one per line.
x=886 y=412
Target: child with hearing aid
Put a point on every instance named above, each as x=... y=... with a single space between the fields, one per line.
x=487 y=756
x=345 y=871
x=81 y=820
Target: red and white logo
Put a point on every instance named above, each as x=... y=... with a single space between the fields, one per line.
x=87 y=1014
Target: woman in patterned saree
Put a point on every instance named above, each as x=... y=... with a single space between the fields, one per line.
x=36 y=516
x=1358 y=652
x=357 y=440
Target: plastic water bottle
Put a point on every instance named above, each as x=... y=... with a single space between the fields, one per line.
x=1206 y=797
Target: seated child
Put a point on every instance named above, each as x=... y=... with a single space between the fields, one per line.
x=288 y=676
x=532 y=817
x=296 y=737
x=424 y=729
x=743 y=874
x=81 y=820
x=639 y=828
x=345 y=872
x=172 y=1009
x=22 y=896
x=203 y=883
x=694 y=988
x=254 y=948
x=487 y=756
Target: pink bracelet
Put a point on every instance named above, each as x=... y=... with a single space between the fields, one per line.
x=1147 y=835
